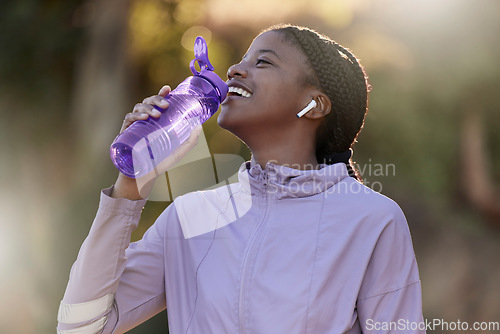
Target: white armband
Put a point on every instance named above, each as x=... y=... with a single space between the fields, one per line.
x=82 y=312
x=93 y=328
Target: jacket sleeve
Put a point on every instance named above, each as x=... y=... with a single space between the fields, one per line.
x=114 y=285
x=390 y=298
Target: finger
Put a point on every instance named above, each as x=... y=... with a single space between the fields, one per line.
x=126 y=122
x=139 y=113
x=165 y=90
x=148 y=109
x=156 y=100
x=134 y=116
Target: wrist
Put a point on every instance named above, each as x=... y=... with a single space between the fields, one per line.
x=133 y=189
x=126 y=187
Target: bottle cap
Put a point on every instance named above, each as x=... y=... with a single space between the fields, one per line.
x=206 y=69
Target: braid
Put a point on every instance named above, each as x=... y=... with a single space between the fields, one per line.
x=337 y=72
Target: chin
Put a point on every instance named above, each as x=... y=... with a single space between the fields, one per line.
x=227 y=119
x=232 y=125
x=222 y=120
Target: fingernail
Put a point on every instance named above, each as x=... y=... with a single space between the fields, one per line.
x=164 y=102
x=164 y=88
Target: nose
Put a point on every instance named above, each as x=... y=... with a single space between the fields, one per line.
x=236 y=70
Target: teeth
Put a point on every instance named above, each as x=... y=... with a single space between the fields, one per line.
x=239 y=91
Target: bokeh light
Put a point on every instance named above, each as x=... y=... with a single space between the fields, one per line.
x=190 y=35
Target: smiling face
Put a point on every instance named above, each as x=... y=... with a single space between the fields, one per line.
x=266 y=90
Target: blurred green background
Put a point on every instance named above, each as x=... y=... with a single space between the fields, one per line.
x=70 y=71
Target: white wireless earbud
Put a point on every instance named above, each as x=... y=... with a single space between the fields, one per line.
x=304 y=111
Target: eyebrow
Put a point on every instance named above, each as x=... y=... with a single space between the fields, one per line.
x=265 y=51
x=268 y=51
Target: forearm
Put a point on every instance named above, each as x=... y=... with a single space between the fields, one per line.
x=101 y=260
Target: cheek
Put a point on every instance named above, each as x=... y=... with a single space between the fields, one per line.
x=273 y=103
x=281 y=95
x=287 y=102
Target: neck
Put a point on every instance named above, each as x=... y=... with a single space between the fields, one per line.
x=306 y=164
x=291 y=144
x=286 y=152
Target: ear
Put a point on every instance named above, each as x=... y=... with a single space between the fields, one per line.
x=323 y=106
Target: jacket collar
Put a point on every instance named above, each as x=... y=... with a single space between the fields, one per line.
x=286 y=182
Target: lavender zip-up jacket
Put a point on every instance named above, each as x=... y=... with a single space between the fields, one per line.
x=283 y=251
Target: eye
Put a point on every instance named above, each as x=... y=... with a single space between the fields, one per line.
x=261 y=61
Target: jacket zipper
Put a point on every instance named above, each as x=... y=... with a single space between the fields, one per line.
x=241 y=313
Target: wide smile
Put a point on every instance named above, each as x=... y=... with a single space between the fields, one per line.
x=237 y=90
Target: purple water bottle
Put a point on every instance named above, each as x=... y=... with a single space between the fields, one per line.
x=146 y=143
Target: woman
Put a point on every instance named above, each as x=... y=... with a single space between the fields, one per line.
x=296 y=246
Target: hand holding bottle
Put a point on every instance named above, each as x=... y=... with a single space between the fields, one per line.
x=147 y=108
x=139 y=188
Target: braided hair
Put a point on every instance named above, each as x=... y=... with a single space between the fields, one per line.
x=337 y=72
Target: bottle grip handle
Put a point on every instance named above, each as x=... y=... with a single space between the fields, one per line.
x=200 y=56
